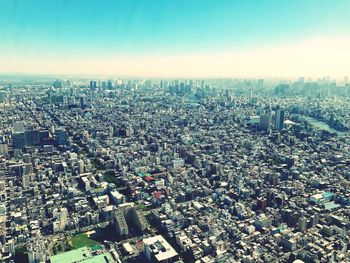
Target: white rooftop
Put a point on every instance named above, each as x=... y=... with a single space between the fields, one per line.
x=166 y=253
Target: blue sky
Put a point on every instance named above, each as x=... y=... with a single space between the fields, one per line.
x=67 y=31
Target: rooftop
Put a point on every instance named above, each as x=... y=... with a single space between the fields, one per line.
x=83 y=255
x=161 y=249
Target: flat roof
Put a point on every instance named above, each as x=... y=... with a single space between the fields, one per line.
x=70 y=256
x=169 y=251
x=106 y=257
x=82 y=255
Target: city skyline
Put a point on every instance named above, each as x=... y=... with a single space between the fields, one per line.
x=176 y=38
x=179 y=171
x=177 y=131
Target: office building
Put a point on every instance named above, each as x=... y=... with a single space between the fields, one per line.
x=279 y=120
x=265 y=121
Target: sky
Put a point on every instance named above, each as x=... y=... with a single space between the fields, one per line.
x=176 y=38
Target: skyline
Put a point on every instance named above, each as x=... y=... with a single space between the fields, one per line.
x=176 y=38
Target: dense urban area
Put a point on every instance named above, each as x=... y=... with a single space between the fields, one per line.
x=131 y=170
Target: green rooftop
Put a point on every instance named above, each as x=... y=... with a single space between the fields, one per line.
x=70 y=256
x=82 y=255
x=96 y=247
x=140 y=175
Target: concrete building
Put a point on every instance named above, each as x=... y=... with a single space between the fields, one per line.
x=157 y=249
x=120 y=223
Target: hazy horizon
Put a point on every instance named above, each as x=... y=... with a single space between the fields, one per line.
x=211 y=39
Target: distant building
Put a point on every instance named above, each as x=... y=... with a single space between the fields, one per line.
x=93 y=84
x=282 y=89
x=62 y=136
x=109 y=84
x=279 y=121
x=57 y=84
x=82 y=101
x=18 y=140
x=32 y=138
x=265 y=121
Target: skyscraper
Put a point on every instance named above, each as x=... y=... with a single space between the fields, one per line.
x=93 y=84
x=82 y=101
x=279 y=121
x=265 y=121
x=110 y=84
x=62 y=136
x=61 y=216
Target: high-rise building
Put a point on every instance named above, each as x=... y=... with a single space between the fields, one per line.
x=279 y=121
x=82 y=101
x=109 y=84
x=57 y=84
x=81 y=166
x=61 y=219
x=32 y=138
x=62 y=136
x=93 y=84
x=265 y=121
x=302 y=224
x=110 y=131
x=120 y=223
x=25 y=181
x=18 y=140
x=139 y=219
